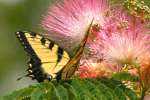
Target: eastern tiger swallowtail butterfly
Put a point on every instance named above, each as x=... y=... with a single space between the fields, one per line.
x=47 y=60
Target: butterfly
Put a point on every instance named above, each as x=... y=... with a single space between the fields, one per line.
x=47 y=59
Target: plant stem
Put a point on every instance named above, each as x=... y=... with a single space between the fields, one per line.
x=143 y=90
x=143 y=94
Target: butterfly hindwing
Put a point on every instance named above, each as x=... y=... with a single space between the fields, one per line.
x=69 y=69
x=46 y=58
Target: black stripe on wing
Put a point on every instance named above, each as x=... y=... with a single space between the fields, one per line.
x=60 y=53
x=34 y=71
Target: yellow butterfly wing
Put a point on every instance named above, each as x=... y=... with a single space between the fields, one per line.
x=46 y=58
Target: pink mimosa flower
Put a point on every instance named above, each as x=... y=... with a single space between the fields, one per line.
x=124 y=41
x=121 y=42
x=117 y=39
x=68 y=21
x=91 y=72
x=122 y=38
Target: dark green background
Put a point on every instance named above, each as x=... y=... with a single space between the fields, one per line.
x=17 y=15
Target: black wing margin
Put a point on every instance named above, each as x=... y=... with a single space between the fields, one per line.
x=35 y=69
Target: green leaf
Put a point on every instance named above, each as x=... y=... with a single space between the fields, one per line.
x=125 y=76
x=54 y=93
x=36 y=94
x=80 y=90
x=62 y=92
x=71 y=92
x=95 y=91
x=75 y=89
x=21 y=94
x=116 y=88
x=105 y=90
x=120 y=89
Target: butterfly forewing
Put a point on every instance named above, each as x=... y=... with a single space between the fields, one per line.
x=47 y=57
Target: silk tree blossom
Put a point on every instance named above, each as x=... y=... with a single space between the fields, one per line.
x=122 y=42
x=124 y=49
x=125 y=42
x=67 y=22
x=93 y=70
x=117 y=39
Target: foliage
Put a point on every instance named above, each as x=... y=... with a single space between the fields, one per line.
x=75 y=89
x=125 y=76
x=137 y=8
